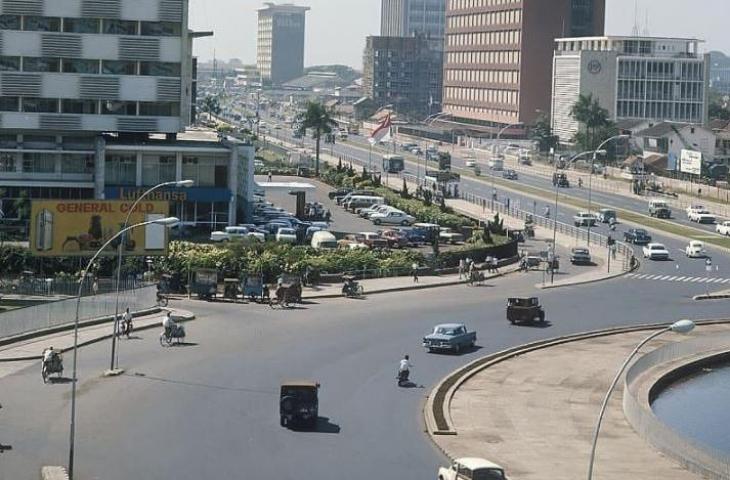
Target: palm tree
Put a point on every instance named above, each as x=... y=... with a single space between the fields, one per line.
x=317 y=117
x=593 y=117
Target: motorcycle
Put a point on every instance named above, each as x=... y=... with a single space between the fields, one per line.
x=403 y=377
x=53 y=365
x=352 y=289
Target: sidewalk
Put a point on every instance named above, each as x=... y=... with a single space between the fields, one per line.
x=31 y=349
x=534 y=414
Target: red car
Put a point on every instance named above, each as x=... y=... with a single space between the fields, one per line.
x=395 y=238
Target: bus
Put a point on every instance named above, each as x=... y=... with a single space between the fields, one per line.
x=393 y=163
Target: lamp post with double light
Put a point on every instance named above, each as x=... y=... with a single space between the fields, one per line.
x=168 y=222
x=681 y=327
x=120 y=250
x=590 y=178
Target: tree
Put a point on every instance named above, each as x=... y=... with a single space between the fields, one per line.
x=318 y=118
x=212 y=105
x=718 y=111
x=594 y=122
x=542 y=132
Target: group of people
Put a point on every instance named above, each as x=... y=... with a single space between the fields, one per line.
x=467 y=267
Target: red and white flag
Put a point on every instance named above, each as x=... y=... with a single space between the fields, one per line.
x=382 y=132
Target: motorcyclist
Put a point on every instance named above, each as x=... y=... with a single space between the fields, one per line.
x=404 y=367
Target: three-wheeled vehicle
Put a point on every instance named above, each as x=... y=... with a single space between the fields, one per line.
x=254 y=288
x=299 y=404
x=53 y=365
x=205 y=283
x=231 y=288
x=516 y=234
x=524 y=310
x=288 y=291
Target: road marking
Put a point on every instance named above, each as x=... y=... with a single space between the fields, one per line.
x=675 y=278
x=681 y=279
x=665 y=277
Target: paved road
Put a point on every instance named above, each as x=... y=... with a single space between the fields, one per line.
x=209 y=410
x=679 y=265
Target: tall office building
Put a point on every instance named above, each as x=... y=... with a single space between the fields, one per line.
x=634 y=78
x=408 y=18
x=280 y=55
x=720 y=73
x=498 y=56
x=84 y=85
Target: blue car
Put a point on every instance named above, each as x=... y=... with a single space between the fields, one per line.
x=453 y=337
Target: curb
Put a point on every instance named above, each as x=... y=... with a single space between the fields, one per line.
x=586 y=282
x=182 y=318
x=439 y=399
x=711 y=297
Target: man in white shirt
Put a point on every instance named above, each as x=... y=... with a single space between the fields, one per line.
x=127 y=323
x=169 y=324
x=405 y=365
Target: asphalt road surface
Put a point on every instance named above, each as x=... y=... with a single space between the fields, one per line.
x=210 y=409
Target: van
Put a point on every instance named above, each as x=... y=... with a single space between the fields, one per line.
x=659 y=209
x=323 y=240
x=496 y=164
x=363 y=201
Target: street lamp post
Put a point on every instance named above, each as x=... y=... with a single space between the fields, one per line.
x=590 y=177
x=681 y=327
x=120 y=249
x=168 y=221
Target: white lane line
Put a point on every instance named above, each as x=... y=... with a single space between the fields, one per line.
x=672 y=279
x=717 y=280
x=631 y=275
x=665 y=277
x=702 y=280
x=725 y=280
x=692 y=279
x=681 y=279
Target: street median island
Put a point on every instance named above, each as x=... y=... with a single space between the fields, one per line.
x=532 y=409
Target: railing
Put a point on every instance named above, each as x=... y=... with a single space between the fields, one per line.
x=697 y=457
x=63 y=312
x=619 y=249
x=65 y=287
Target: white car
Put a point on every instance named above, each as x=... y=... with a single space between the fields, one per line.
x=701 y=216
x=473 y=469
x=286 y=235
x=695 y=249
x=692 y=208
x=447 y=235
x=393 y=217
x=723 y=228
x=655 y=251
x=235 y=233
x=584 y=219
x=368 y=212
x=471 y=163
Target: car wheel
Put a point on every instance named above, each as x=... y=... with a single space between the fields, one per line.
x=376 y=221
x=405 y=223
x=457 y=348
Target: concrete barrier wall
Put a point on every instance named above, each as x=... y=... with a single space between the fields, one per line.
x=63 y=312
x=696 y=457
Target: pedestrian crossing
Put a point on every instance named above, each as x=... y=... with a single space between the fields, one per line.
x=677 y=278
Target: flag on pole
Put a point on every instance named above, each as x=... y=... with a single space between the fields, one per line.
x=382 y=132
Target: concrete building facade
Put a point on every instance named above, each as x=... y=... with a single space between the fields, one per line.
x=720 y=73
x=497 y=65
x=408 y=18
x=280 y=46
x=634 y=78
x=78 y=78
x=404 y=72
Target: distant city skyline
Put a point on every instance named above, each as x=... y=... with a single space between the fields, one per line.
x=336 y=29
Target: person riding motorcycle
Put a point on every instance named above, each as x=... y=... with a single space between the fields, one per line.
x=404 y=369
x=350 y=286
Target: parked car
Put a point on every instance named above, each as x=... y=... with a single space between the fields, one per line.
x=471 y=469
x=450 y=336
x=584 y=219
x=695 y=249
x=659 y=209
x=347 y=196
x=352 y=240
x=236 y=233
x=655 y=251
x=395 y=238
x=286 y=235
x=340 y=192
x=701 y=216
x=367 y=212
x=414 y=237
x=357 y=202
x=447 y=235
x=393 y=217
x=373 y=240
x=637 y=236
x=580 y=256
x=323 y=240
x=510 y=174
x=429 y=231
x=723 y=228
x=606 y=214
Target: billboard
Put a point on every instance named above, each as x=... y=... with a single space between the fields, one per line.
x=63 y=228
x=690 y=162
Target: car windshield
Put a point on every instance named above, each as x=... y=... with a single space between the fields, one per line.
x=657 y=247
x=488 y=474
x=640 y=232
x=448 y=330
x=305 y=394
x=580 y=250
x=286 y=231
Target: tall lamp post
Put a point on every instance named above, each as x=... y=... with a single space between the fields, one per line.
x=494 y=150
x=590 y=177
x=168 y=221
x=682 y=327
x=120 y=249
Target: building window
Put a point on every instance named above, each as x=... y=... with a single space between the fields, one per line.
x=118 y=67
x=41 y=64
x=205 y=170
x=41 y=24
x=81 y=25
x=7 y=161
x=118 y=108
x=120 y=27
x=77 y=163
x=161 y=29
x=159 y=109
x=39 y=162
x=40 y=105
x=9 y=64
x=84 y=107
x=121 y=169
x=9 y=22
x=78 y=65
x=159 y=69
x=9 y=104
x=158 y=169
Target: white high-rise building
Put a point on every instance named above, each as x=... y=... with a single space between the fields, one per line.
x=642 y=78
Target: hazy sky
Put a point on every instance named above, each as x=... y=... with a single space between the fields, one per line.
x=336 y=29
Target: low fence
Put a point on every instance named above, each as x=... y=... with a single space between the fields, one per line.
x=63 y=312
x=694 y=456
x=620 y=251
x=38 y=286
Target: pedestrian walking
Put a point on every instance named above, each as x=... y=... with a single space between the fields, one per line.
x=414 y=269
x=127 y=323
x=269 y=176
x=95 y=287
x=495 y=265
x=461 y=268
